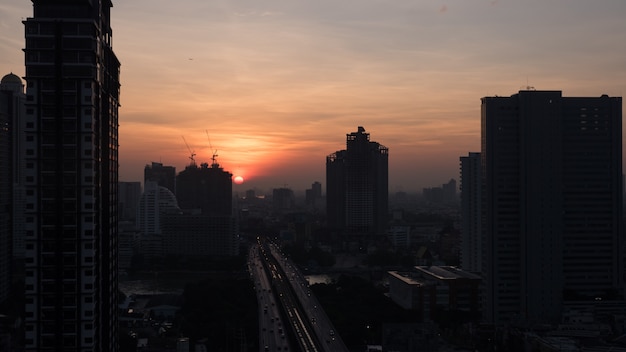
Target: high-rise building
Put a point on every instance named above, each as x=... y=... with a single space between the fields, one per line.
x=164 y=176
x=471 y=229
x=209 y=189
x=12 y=100
x=207 y=226
x=357 y=190
x=71 y=175
x=552 y=169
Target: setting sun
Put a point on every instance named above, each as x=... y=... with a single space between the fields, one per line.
x=238 y=180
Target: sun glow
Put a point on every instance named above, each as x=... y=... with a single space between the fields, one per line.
x=238 y=180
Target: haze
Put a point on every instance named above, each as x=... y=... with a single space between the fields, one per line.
x=274 y=86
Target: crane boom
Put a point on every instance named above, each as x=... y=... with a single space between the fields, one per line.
x=192 y=154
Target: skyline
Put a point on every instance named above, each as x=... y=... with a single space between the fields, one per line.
x=234 y=76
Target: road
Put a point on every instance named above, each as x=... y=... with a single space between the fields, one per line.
x=289 y=314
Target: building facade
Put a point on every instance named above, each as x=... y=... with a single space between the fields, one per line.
x=71 y=175
x=357 y=191
x=552 y=169
x=471 y=220
x=12 y=100
x=209 y=189
x=129 y=194
x=163 y=175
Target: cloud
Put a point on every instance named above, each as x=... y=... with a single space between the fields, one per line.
x=444 y=8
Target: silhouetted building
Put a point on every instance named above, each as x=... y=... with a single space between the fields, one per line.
x=12 y=219
x=357 y=186
x=155 y=201
x=449 y=191
x=71 y=175
x=427 y=289
x=471 y=226
x=129 y=194
x=209 y=189
x=552 y=167
x=206 y=227
x=190 y=235
x=283 y=200
x=164 y=176
x=313 y=196
x=446 y=194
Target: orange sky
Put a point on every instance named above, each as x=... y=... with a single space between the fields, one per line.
x=278 y=84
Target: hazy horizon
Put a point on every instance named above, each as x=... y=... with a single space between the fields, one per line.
x=275 y=86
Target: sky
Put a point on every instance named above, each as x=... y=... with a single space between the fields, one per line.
x=273 y=87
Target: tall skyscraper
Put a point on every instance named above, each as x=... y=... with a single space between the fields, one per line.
x=71 y=175
x=357 y=192
x=12 y=100
x=163 y=175
x=471 y=220
x=552 y=167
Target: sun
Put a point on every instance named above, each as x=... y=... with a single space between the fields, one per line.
x=238 y=180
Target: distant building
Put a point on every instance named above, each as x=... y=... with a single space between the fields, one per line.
x=164 y=176
x=155 y=202
x=446 y=194
x=552 y=170
x=449 y=191
x=129 y=194
x=206 y=227
x=313 y=195
x=283 y=200
x=357 y=193
x=209 y=189
x=471 y=227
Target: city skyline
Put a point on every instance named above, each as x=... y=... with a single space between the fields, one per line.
x=273 y=87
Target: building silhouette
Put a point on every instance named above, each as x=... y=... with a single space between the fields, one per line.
x=163 y=175
x=357 y=194
x=471 y=220
x=446 y=194
x=206 y=227
x=155 y=202
x=129 y=194
x=313 y=195
x=71 y=175
x=552 y=168
x=283 y=200
x=209 y=189
x=12 y=100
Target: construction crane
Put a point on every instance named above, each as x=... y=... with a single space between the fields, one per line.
x=214 y=156
x=192 y=154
